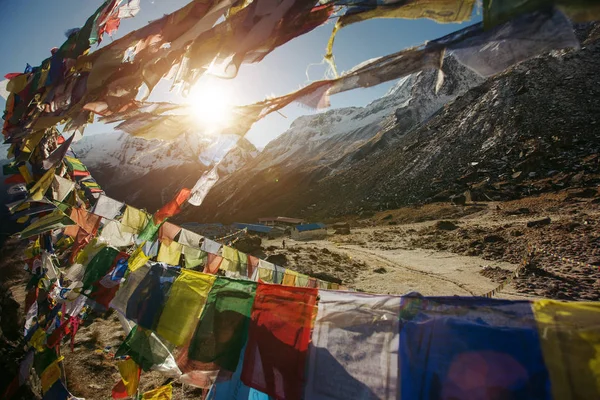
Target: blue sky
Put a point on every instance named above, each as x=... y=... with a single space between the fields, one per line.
x=30 y=28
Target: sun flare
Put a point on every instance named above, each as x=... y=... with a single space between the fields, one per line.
x=210 y=104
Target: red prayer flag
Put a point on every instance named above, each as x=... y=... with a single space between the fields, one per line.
x=252 y=264
x=173 y=207
x=12 y=75
x=212 y=264
x=16 y=178
x=279 y=334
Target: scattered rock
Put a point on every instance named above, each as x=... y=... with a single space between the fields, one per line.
x=277 y=259
x=539 y=222
x=248 y=243
x=389 y=216
x=519 y=211
x=588 y=193
x=445 y=226
x=342 y=228
x=458 y=200
x=493 y=239
x=380 y=270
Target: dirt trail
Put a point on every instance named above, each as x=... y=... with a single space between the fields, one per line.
x=429 y=272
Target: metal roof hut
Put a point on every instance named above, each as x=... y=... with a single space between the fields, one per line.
x=309 y=231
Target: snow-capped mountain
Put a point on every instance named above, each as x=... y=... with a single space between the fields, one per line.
x=319 y=145
x=146 y=173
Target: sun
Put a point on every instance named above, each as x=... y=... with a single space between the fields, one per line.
x=210 y=104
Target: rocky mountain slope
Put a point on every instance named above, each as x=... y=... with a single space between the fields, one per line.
x=147 y=173
x=531 y=129
x=320 y=145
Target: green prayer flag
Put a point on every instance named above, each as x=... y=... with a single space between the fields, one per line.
x=54 y=220
x=150 y=231
x=42 y=360
x=144 y=348
x=223 y=327
x=10 y=169
x=99 y=266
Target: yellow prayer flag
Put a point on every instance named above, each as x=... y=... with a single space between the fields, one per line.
x=18 y=83
x=571 y=347
x=444 y=11
x=265 y=275
x=184 y=306
x=50 y=375
x=41 y=187
x=231 y=259
x=30 y=142
x=33 y=249
x=170 y=253
x=289 y=278
x=137 y=259
x=134 y=220
x=130 y=375
x=162 y=393
x=38 y=340
x=25 y=173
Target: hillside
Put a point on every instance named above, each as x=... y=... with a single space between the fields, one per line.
x=147 y=173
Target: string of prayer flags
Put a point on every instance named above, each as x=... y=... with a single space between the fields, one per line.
x=55 y=220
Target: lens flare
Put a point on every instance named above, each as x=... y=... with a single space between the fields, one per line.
x=211 y=105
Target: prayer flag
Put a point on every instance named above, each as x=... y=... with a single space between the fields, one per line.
x=130 y=379
x=223 y=327
x=275 y=358
x=134 y=220
x=162 y=393
x=170 y=254
x=184 y=306
x=147 y=301
x=173 y=207
x=144 y=348
x=470 y=348
x=570 y=339
x=354 y=347
x=107 y=207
